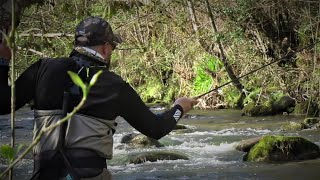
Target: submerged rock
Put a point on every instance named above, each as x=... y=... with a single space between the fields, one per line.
x=292 y=126
x=246 y=145
x=308 y=123
x=153 y=156
x=182 y=129
x=139 y=141
x=282 y=149
x=180 y=126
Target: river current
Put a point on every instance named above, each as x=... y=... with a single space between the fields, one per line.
x=209 y=145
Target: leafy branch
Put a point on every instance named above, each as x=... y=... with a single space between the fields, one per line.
x=85 y=90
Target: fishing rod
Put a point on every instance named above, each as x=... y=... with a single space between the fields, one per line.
x=290 y=54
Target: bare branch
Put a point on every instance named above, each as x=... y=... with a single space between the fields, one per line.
x=47 y=35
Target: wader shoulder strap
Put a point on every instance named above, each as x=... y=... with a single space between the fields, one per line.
x=61 y=145
x=66 y=96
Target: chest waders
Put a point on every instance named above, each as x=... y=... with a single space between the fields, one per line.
x=83 y=144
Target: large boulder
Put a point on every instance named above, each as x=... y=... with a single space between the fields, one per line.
x=153 y=156
x=284 y=104
x=279 y=106
x=282 y=149
x=252 y=109
x=139 y=141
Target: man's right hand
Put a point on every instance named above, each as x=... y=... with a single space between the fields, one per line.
x=186 y=103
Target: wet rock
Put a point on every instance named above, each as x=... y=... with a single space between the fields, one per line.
x=293 y=126
x=311 y=121
x=153 y=156
x=309 y=108
x=282 y=149
x=246 y=145
x=183 y=131
x=252 y=109
x=128 y=137
x=279 y=106
x=139 y=141
x=284 y=104
x=180 y=126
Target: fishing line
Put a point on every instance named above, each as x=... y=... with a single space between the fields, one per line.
x=290 y=54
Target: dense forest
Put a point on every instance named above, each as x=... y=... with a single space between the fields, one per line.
x=186 y=48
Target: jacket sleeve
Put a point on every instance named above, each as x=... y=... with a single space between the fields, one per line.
x=138 y=115
x=24 y=88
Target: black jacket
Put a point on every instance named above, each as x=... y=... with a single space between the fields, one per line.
x=46 y=80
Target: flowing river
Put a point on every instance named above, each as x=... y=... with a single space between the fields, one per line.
x=208 y=145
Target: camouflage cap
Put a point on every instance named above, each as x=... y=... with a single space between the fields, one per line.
x=95 y=31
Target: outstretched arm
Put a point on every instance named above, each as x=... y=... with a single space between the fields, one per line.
x=24 y=84
x=138 y=115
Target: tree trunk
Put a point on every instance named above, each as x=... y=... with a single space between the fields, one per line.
x=209 y=49
x=20 y=6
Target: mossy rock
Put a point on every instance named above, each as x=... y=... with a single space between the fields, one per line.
x=292 y=126
x=282 y=149
x=309 y=108
x=153 y=156
x=246 y=145
x=311 y=121
x=252 y=109
x=139 y=141
x=279 y=106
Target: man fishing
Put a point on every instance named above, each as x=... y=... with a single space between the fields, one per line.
x=79 y=149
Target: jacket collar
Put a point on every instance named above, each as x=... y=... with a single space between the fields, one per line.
x=88 y=58
x=89 y=52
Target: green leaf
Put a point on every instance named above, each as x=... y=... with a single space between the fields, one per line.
x=77 y=80
x=95 y=78
x=7 y=152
